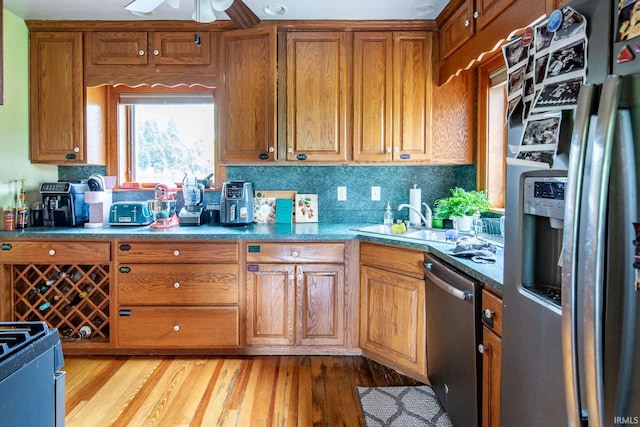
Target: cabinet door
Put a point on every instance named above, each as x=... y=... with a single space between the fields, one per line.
x=320 y=304
x=412 y=63
x=179 y=48
x=457 y=29
x=270 y=304
x=117 y=48
x=486 y=10
x=317 y=96
x=392 y=317
x=372 y=96
x=491 y=374
x=56 y=97
x=247 y=96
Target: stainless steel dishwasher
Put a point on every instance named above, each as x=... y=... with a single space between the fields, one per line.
x=454 y=330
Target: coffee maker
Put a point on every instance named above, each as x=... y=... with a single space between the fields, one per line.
x=236 y=203
x=64 y=204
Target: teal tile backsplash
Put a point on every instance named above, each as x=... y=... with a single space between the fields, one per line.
x=394 y=183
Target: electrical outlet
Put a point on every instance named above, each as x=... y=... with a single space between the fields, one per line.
x=342 y=194
x=375 y=194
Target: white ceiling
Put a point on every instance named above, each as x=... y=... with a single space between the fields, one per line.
x=296 y=9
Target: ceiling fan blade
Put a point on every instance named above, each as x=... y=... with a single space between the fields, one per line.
x=241 y=15
x=173 y=3
x=143 y=6
x=203 y=11
x=221 y=5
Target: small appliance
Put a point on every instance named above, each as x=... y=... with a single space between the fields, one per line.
x=236 y=203
x=64 y=203
x=99 y=199
x=193 y=211
x=163 y=207
x=130 y=213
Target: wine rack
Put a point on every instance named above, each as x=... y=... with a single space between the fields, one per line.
x=66 y=297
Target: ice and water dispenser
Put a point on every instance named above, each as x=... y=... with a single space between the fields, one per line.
x=543 y=200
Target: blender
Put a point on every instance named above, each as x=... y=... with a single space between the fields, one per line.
x=193 y=210
x=163 y=207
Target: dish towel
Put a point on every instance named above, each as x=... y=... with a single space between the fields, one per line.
x=479 y=251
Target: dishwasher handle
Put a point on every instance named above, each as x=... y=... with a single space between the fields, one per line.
x=451 y=290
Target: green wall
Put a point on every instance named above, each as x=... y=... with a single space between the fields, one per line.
x=14 y=118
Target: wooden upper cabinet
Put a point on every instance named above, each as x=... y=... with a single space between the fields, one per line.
x=392 y=96
x=372 y=96
x=247 y=96
x=139 y=48
x=486 y=10
x=170 y=48
x=469 y=28
x=457 y=30
x=150 y=57
x=412 y=84
x=56 y=98
x=117 y=48
x=317 y=111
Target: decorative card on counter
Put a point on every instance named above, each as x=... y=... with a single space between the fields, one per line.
x=264 y=210
x=284 y=211
x=306 y=208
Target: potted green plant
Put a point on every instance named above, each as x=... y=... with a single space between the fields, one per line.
x=462 y=206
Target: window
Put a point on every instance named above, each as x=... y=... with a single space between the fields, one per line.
x=163 y=134
x=492 y=129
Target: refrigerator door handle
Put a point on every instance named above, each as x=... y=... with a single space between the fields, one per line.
x=594 y=250
x=577 y=154
x=624 y=158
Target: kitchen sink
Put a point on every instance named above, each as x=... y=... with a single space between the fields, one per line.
x=432 y=235
x=412 y=233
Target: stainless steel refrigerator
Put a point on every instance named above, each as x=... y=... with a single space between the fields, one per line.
x=571 y=327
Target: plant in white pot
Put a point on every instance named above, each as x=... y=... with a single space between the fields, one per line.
x=462 y=207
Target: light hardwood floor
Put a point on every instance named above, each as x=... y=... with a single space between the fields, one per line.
x=220 y=391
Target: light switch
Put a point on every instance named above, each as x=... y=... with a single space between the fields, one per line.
x=342 y=194
x=375 y=194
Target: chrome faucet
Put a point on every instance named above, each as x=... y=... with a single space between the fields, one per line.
x=404 y=205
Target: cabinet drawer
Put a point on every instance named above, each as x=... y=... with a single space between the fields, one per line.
x=494 y=305
x=181 y=284
x=55 y=252
x=404 y=261
x=178 y=252
x=165 y=327
x=289 y=252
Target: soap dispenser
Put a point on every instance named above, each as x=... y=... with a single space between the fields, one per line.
x=388 y=215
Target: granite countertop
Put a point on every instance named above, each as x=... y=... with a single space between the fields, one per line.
x=490 y=274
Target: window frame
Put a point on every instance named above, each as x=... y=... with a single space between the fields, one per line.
x=118 y=148
x=490 y=64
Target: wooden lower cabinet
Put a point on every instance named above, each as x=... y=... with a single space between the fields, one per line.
x=66 y=284
x=491 y=358
x=178 y=295
x=392 y=308
x=295 y=304
x=295 y=294
x=491 y=374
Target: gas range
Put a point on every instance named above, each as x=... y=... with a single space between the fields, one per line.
x=30 y=360
x=15 y=336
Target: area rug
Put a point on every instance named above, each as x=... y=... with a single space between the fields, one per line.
x=402 y=407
